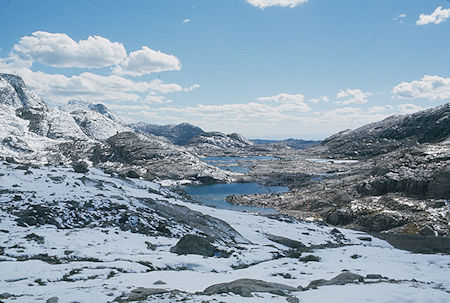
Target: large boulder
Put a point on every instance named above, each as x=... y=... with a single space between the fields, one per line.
x=245 y=288
x=194 y=245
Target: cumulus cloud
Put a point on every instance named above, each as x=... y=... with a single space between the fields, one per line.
x=287 y=102
x=186 y=21
x=58 y=88
x=429 y=87
x=284 y=3
x=409 y=108
x=59 y=50
x=146 y=61
x=352 y=96
x=319 y=99
x=438 y=16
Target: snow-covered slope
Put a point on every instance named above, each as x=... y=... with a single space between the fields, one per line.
x=29 y=128
x=13 y=92
x=219 y=140
x=95 y=120
x=97 y=238
x=75 y=104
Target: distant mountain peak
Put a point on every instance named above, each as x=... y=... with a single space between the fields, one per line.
x=179 y=134
x=77 y=104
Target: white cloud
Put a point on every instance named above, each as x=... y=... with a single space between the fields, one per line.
x=186 y=21
x=438 y=16
x=297 y=98
x=151 y=98
x=59 y=50
x=58 y=88
x=429 y=87
x=409 y=108
x=400 y=17
x=287 y=102
x=319 y=99
x=267 y=3
x=353 y=96
x=191 y=88
x=146 y=61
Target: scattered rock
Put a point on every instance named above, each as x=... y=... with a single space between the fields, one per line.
x=285 y=241
x=292 y=299
x=34 y=237
x=52 y=300
x=159 y=282
x=80 y=167
x=140 y=294
x=374 y=276
x=309 y=258
x=132 y=174
x=11 y=160
x=339 y=217
x=6 y=295
x=341 y=279
x=364 y=238
x=245 y=288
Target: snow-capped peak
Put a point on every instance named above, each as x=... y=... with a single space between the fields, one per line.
x=13 y=92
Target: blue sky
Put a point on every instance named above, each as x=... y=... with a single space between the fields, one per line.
x=263 y=68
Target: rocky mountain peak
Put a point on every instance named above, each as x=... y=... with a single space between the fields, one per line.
x=179 y=134
x=100 y=108
x=13 y=92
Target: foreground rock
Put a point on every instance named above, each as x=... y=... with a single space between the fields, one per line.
x=341 y=279
x=245 y=288
x=192 y=244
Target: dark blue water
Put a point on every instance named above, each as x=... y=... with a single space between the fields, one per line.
x=214 y=195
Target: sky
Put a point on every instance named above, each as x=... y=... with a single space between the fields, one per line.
x=269 y=69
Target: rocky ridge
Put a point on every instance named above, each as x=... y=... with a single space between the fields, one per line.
x=81 y=131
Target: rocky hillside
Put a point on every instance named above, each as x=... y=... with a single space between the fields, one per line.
x=179 y=134
x=428 y=126
x=217 y=140
x=400 y=185
x=192 y=136
x=81 y=132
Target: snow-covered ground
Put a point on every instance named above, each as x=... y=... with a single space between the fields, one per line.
x=89 y=258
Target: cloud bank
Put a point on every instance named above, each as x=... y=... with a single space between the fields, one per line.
x=283 y=3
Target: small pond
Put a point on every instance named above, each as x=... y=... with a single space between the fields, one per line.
x=214 y=195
